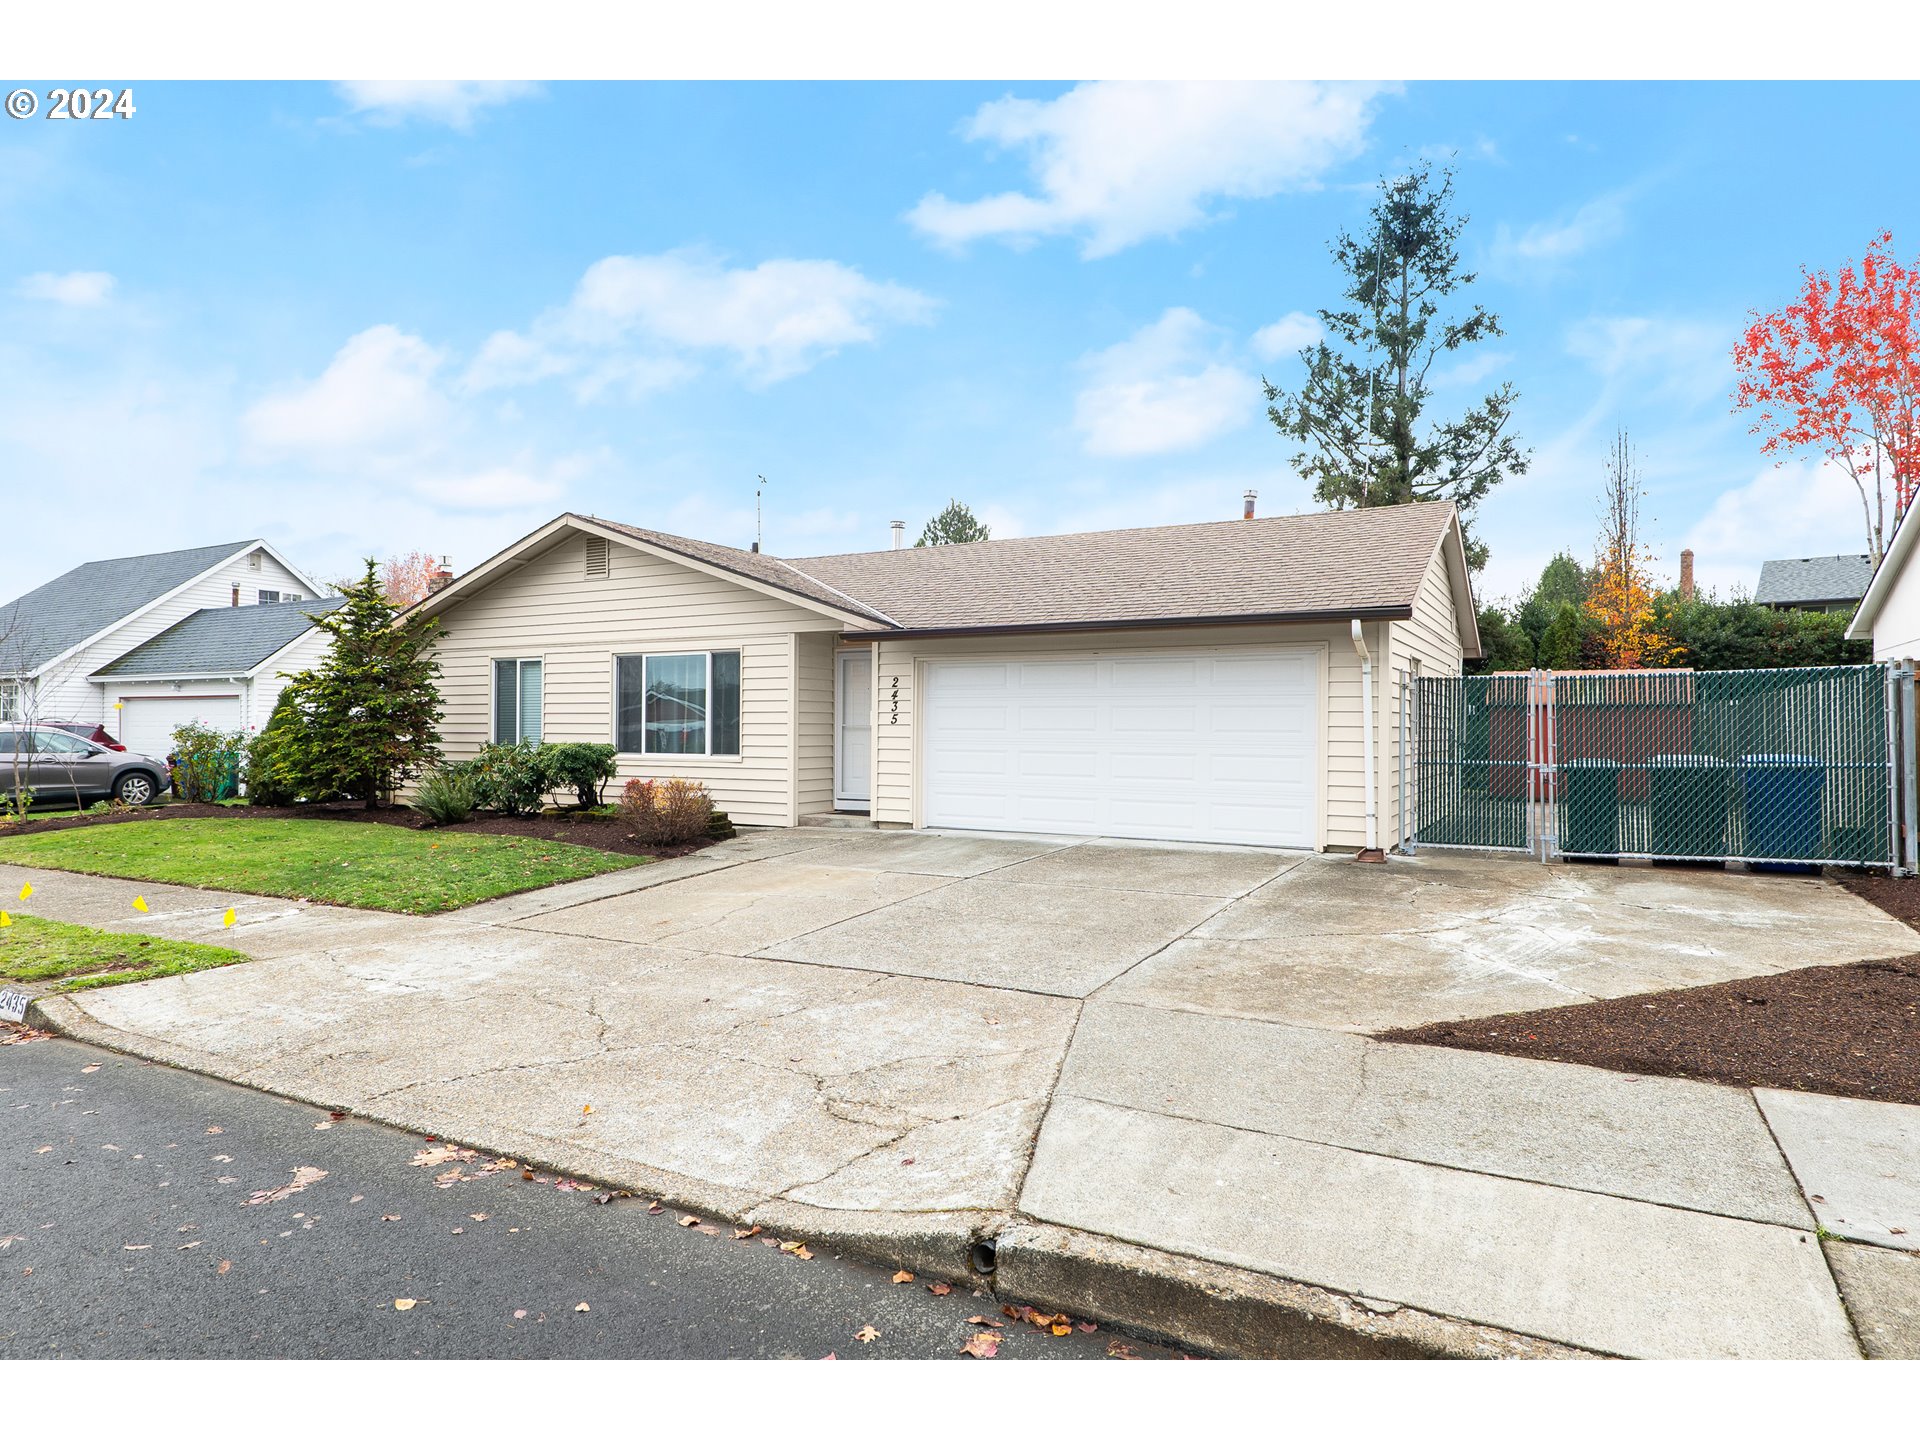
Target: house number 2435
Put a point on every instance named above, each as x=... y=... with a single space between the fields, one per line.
x=894 y=717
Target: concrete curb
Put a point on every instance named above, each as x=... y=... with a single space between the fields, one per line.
x=1193 y=1304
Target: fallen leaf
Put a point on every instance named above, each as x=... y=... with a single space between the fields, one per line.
x=215 y=1130
x=830 y=1355
x=586 y=1109
x=903 y=1277
x=192 y=1244
x=356 y=1200
x=737 y=1234
x=481 y=1215
x=439 y=1155
x=225 y=1266
x=686 y=1220
x=803 y=1253
x=982 y=1346
x=986 y=1320
x=43 y=1149
x=940 y=1287
x=136 y=1247
x=866 y=1334
x=88 y=1069
x=1117 y=1351
x=580 y=1308
x=1087 y=1327
x=1062 y=1329
x=405 y=1304
x=519 y=1314
x=303 y=1176
x=323 y=1125
x=389 y=1217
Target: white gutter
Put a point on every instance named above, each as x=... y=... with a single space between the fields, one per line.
x=1372 y=853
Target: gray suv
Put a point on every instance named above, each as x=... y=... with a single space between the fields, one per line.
x=56 y=765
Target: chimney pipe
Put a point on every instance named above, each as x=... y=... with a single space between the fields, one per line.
x=899 y=533
x=1251 y=496
x=1686 y=574
x=441 y=577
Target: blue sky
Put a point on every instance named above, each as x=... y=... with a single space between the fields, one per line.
x=362 y=320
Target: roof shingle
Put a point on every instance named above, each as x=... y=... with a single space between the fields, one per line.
x=1818 y=579
x=87 y=599
x=223 y=640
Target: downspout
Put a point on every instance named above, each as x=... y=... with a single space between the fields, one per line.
x=1373 y=854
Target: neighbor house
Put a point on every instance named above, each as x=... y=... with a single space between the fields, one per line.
x=1185 y=682
x=146 y=643
x=1889 y=612
x=1817 y=582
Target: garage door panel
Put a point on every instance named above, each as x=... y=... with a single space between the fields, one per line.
x=146 y=723
x=1162 y=745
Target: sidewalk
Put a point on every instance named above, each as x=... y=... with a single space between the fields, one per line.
x=1132 y=1069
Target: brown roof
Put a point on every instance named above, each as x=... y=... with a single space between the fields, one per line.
x=766 y=569
x=1333 y=563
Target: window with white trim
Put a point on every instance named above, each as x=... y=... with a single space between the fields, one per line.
x=686 y=703
x=9 y=701
x=269 y=597
x=519 y=693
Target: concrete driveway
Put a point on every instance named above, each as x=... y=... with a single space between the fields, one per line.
x=1099 y=1052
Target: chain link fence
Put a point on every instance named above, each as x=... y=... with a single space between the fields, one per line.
x=1801 y=766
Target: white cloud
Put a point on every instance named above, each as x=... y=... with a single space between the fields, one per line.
x=1118 y=162
x=378 y=392
x=521 y=485
x=1288 y=335
x=1547 y=245
x=1665 y=356
x=1161 y=390
x=440 y=102
x=1786 y=510
x=1469 y=370
x=634 y=321
x=75 y=287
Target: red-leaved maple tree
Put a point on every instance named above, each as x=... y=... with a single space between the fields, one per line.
x=1836 y=374
x=407 y=578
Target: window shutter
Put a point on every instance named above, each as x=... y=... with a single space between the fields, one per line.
x=506 y=701
x=597 y=563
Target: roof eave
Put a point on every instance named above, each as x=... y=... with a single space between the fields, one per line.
x=1180 y=622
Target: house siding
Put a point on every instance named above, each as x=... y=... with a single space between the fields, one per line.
x=813 y=721
x=1430 y=639
x=548 y=609
x=66 y=692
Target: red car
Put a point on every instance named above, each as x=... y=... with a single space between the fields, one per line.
x=96 y=733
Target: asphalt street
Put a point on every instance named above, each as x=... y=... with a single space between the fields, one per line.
x=148 y=1212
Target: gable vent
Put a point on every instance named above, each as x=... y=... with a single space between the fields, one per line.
x=596 y=557
x=253 y=561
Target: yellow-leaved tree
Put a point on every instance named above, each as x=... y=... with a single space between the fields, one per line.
x=1622 y=587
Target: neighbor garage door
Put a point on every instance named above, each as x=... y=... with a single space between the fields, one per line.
x=146 y=724
x=1164 y=745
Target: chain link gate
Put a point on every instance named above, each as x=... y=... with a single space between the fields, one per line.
x=1799 y=766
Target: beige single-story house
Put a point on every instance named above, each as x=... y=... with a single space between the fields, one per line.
x=1181 y=682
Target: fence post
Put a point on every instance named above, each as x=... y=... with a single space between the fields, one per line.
x=1907 y=856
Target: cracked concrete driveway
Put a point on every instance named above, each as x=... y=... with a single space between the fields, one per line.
x=906 y=1040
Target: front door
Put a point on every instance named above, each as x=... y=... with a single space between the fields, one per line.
x=853 y=731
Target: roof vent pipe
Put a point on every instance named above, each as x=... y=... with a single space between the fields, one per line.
x=1251 y=496
x=899 y=533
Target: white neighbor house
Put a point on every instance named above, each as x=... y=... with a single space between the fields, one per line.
x=146 y=643
x=1889 y=613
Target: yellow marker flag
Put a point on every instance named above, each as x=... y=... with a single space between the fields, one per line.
x=140 y=903
x=26 y=891
x=5 y=920
x=227 y=919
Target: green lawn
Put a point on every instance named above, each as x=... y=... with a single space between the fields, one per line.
x=85 y=958
x=342 y=862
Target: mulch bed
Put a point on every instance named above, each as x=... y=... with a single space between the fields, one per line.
x=1850 y=1030
x=596 y=832
x=1833 y=1029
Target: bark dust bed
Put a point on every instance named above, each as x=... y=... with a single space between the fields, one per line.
x=1851 y=1030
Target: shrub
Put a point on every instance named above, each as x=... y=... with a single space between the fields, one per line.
x=506 y=778
x=269 y=776
x=444 y=796
x=206 y=762
x=581 y=768
x=667 y=812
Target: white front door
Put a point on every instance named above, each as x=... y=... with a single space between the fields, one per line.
x=1213 y=745
x=853 y=729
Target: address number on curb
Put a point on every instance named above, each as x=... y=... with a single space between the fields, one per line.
x=13 y=1005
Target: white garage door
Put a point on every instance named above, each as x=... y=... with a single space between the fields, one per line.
x=146 y=725
x=1180 y=745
